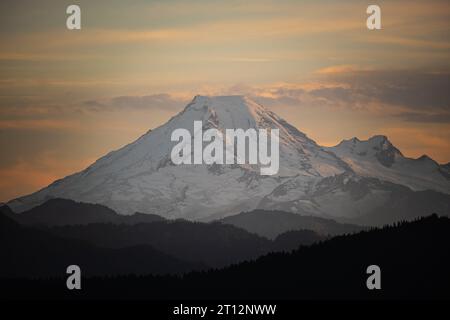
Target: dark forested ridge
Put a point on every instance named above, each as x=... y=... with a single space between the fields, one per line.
x=62 y=212
x=200 y=245
x=25 y=251
x=270 y=224
x=414 y=258
x=213 y=244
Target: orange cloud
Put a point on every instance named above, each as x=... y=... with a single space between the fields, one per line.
x=348 y=68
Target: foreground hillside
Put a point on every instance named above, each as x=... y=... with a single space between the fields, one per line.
x=61 y=232
x=33 y=253
x=414 y=258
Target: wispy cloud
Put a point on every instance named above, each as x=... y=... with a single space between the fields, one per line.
x=407 y=42
x=39 y=124
x=424 y=117
x=161 y=101
x=342 y=69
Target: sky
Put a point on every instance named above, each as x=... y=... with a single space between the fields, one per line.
x=68 y=97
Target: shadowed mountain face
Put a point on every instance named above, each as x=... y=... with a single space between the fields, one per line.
x=414 y=259
x=406 y=205
x=271 y=224
x=349 y=198
x=28 y=252
x=4 y=209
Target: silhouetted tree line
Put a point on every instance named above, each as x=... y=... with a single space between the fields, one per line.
x=414 y=258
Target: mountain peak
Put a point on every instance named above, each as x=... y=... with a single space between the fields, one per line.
x=227 y=112
x=220 y=100
x=378 y=147
x=229 y=98
x=376 y=142
x=382 y=143
x=424 y=157
x=142 y=177
x=379 y=138
x=230 y=104
x=378 y=157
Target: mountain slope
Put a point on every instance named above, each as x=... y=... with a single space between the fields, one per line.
x=350 y=198
x=406 y=205
x=377 y=157
x=140 y=177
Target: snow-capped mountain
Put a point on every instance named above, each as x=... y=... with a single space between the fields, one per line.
x=141 y=177
x=377 y=157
